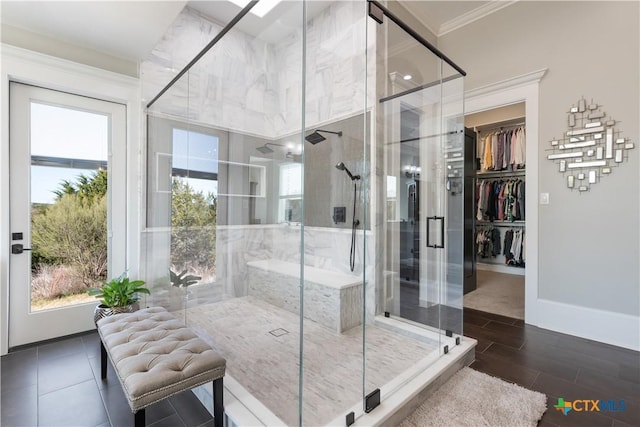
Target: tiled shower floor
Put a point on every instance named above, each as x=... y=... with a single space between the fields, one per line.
x=261 y=345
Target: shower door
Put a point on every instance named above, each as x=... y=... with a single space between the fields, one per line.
x=419 y=133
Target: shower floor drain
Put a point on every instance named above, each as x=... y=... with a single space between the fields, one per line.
x=278 y=332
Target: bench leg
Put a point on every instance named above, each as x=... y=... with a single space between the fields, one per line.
x=218 y=403
x=139 y=418
x=103 y=361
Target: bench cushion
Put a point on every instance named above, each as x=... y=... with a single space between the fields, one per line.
x=156 y=356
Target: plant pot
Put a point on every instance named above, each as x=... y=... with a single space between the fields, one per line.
x=102 y=311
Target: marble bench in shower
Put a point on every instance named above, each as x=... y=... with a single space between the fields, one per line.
x=330 y=298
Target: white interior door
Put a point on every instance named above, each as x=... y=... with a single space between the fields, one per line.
x=67 y=230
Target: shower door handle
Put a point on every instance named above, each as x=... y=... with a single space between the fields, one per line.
x=439 y=245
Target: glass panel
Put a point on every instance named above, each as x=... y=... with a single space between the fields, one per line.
x=225 y=199
x=336 y=220
x=259 y=184
x=68 y=191
x=419 y=140
x=453 y=153
x=169 y=113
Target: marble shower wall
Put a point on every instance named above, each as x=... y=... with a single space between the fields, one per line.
x=335 y=68
x=187 y=35
x=251 y=87
x=232 y=87
x=324 y=248
x=248 y=85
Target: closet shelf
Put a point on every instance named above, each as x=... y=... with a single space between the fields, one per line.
x=518 y=223
x=507 y=123
x=501 y=174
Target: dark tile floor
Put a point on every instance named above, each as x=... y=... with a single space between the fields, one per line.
x=558 y=365
x=58 y=384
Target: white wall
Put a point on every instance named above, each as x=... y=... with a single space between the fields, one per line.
x=589 y=245
x=38 y=43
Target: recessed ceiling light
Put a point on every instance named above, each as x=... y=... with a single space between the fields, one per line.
x=261 y=9
x=407 y=77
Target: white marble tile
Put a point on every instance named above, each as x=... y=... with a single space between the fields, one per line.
x=332 y=364
x=330 y=298
x=249 y=85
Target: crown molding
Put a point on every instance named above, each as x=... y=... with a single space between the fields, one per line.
x=473 y=15
x=48 y=62
x=514 y=82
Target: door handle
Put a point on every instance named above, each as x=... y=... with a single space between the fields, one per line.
x=18 y=248
x=435 y=245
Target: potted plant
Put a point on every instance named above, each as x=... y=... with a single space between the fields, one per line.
x=183 y=279
x=119 y=295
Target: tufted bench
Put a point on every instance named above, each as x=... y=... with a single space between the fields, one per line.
x=156 y=356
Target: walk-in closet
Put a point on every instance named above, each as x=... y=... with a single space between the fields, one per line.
x=497 y=222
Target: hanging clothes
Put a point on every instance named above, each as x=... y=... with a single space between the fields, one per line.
x=501 y=197
x=514 y=247
x=488 y=243
x=521 y=148
x=501 y=200
x=487 y=160
x=503 y=149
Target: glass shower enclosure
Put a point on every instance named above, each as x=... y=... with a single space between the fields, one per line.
x=303 y=203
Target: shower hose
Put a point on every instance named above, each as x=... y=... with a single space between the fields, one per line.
x=354 y=226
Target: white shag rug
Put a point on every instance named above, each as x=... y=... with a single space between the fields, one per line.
x=471 y=398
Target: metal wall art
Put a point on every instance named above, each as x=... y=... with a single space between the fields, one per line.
x=590 y=146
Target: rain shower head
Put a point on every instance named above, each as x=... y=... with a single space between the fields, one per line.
x=340 y=166
x=315 y=137
x=264 y=149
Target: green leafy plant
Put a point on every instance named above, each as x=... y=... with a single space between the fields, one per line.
x=119 y=292
x=193 y=227
x=73 y=230
x=183 y=280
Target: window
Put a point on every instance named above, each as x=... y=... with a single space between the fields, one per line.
x=195 y=160
x=290 y=193
x=183 y=170
x=392 y=197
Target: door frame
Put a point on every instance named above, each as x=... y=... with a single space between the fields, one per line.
x=24 y=66
x=511 y=91
x=24 y=323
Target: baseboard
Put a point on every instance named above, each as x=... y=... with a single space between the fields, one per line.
x=617 y=329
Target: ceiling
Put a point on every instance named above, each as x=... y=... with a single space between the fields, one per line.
x=442 y=17
x=281 y=21
x=126 y=29
x=130 y=29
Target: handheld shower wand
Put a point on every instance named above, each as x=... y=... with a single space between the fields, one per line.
x=355 y=223
x=342 y=167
